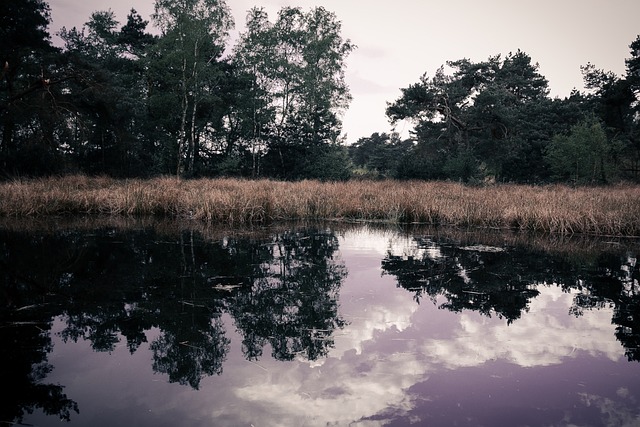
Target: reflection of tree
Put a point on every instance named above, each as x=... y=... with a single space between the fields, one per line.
x=25 y=322
x=503 y=281
x=193 y=354
x=293 y=304
x=613 y=281
x=627 y=318
x=132 y=282
x=108 y=286
x=24 y=368
x=481 y=278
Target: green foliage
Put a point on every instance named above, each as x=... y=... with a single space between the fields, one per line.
x=23 y=27
x=616 y=101
x=584 y=156
x=464 y=166
x=476 y=120
x=117 y=100
x=298 y=88
x=380 y=154
x=226 y=166
x=194 y=34
x=28 y=78
x=494 y=120
x=106 y=92
x=328 y=162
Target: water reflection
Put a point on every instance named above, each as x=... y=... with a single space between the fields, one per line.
x=106 y=284
x=268 y=328
x=502 y=281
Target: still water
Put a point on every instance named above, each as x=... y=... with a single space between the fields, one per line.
x=169 y=324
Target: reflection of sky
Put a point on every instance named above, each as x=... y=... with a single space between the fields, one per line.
x=391 y=343
x=393 y=356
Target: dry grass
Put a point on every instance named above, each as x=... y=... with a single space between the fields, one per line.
x=556 y=209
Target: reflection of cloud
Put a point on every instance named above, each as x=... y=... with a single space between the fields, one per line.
x=393 y=316
x=357 y=380
x=364 y=240
x=341 y=392
x=379 y=242
x=539 y=338
x=379 y=356
x=391 y=344
x=615 y=413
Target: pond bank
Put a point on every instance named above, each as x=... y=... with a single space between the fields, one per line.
x=611 y=210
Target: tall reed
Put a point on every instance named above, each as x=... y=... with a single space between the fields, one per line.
x=611 y=210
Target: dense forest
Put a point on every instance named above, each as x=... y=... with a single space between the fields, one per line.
x=117 y=99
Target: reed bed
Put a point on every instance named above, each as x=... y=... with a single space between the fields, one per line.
x=611 y=210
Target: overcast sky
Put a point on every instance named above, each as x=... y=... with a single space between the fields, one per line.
x=399 y=40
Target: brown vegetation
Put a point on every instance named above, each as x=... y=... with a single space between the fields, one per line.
x=557 y=209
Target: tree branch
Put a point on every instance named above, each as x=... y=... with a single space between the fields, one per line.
x=41 y=83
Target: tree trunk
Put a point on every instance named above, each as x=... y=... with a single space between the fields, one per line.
x=7 y=142
x=183 y=123
x=192 y=141
x=194 y=75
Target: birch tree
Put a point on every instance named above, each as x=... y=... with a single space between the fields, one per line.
x=193 y=38
x=299 y=62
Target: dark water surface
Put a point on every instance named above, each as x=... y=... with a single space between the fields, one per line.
x=169 y=324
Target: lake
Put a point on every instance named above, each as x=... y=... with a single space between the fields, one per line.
x=151 y=323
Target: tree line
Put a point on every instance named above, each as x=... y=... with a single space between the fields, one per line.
x=116 y=99
x=495 y=121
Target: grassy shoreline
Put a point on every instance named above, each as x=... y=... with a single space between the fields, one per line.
x=555 y=209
